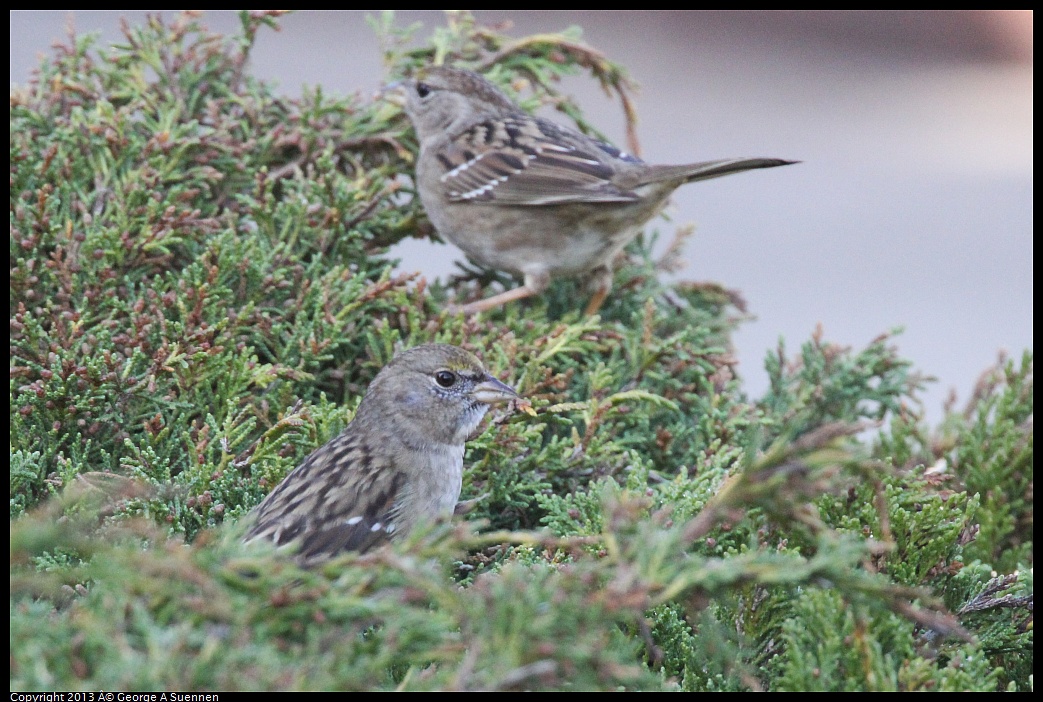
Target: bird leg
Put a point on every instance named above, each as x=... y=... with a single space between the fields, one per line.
x=535 y=283
x=600 y=283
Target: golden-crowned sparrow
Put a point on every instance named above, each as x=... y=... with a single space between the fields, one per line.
x=522 y=194
x=398 y=463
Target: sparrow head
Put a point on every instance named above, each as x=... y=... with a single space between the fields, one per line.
x=433 y=393
x=444 y=99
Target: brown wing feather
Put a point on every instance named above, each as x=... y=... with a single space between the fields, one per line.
x=317 y=506
x=526 y=161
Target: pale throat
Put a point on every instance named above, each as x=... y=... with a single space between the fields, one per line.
x=438 y=487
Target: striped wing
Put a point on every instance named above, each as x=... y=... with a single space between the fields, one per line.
x=319 y=506
x=529 y=161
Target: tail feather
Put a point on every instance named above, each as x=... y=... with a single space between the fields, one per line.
x=706 y=170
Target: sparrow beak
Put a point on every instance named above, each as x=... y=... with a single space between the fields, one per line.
x=491 y=391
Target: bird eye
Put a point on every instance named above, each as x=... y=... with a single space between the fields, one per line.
x=423 y=89
x=446 y=379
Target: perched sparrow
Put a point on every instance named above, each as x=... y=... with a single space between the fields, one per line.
x=398 y=463
x=523 y=194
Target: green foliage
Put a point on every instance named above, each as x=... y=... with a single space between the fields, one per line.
x=985 y=450
x=200 y=293
x=828 y=383
x=830 y=646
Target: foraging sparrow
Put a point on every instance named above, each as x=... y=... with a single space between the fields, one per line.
x=523 y=194
x=398 y=463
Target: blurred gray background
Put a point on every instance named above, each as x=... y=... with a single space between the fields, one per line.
x=913 y=204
